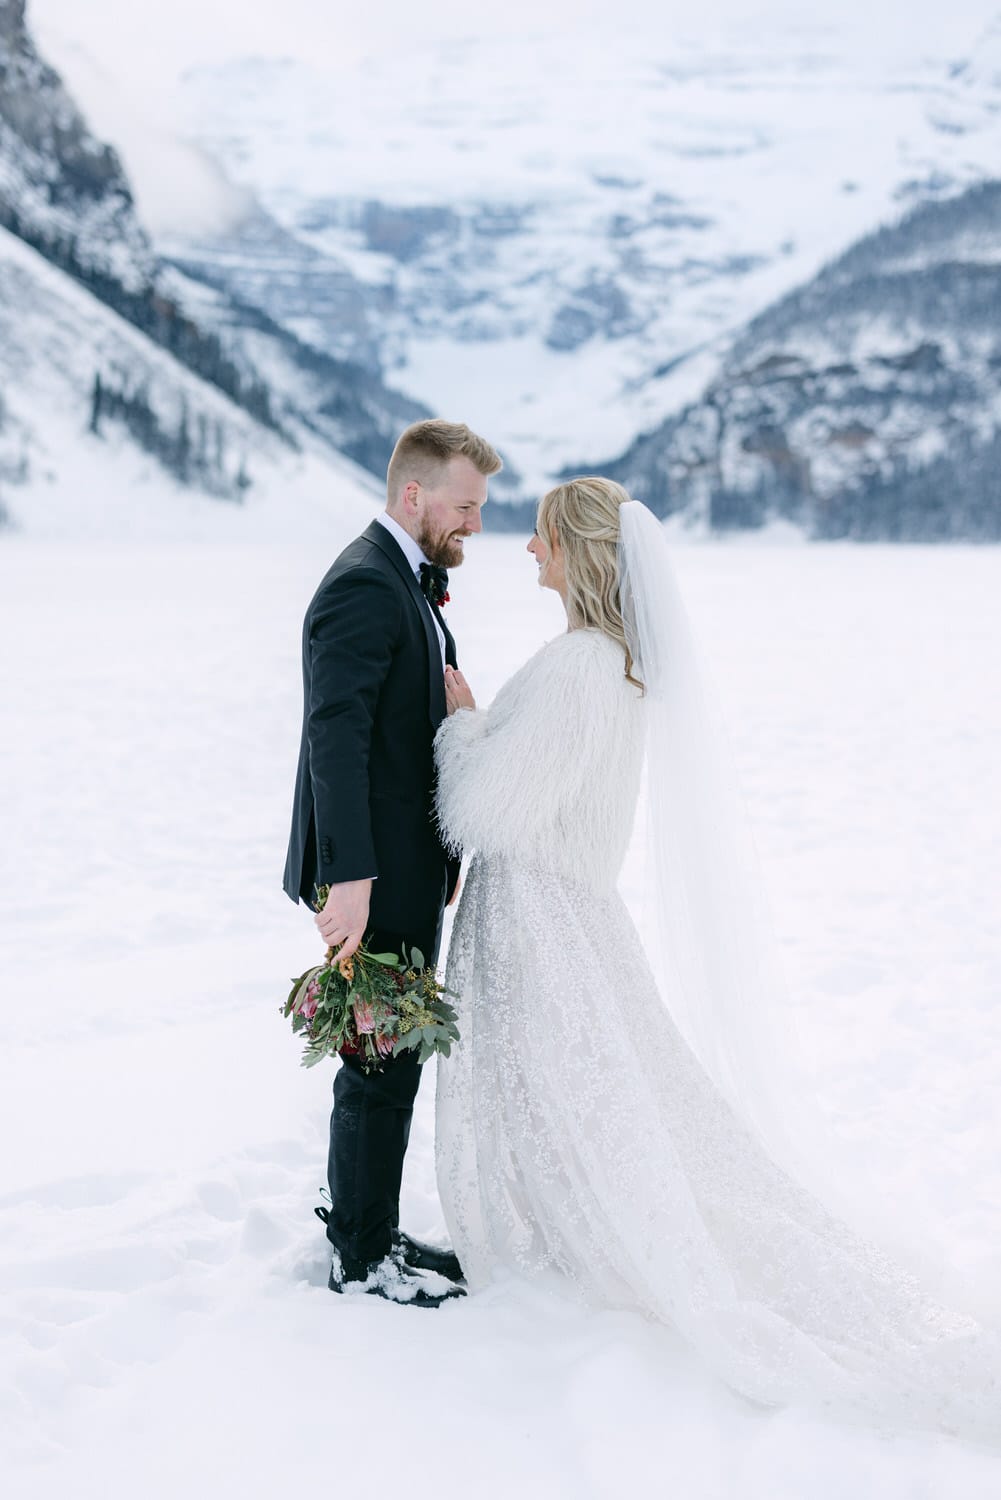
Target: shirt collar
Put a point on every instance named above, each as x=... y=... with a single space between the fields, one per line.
x=411 y=550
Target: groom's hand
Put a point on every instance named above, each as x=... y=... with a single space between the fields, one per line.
x=343 y=920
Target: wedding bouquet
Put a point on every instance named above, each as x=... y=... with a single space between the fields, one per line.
x=372 y=1005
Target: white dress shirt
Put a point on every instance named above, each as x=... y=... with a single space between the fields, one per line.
x=414 y=554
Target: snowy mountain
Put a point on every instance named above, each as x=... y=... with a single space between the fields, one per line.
x=865 y=404
x=104 y=433
x=560 y=236
x=102 y=343
x=61 y=189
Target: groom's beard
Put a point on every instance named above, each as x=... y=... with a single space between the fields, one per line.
x=441 y=547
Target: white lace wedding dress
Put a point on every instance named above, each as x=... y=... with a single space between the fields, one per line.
x=577 y=1131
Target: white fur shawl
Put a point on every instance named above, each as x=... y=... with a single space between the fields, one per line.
x=549 y=774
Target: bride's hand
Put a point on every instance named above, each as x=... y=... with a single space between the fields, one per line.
x=457 y=691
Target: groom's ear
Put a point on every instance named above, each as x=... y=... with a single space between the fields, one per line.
x=409 y=497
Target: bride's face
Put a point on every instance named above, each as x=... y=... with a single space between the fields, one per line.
x=550 y=560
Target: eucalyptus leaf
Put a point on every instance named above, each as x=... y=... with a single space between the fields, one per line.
x=300 y=984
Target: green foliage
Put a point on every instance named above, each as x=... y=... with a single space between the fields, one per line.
x=377 y=1008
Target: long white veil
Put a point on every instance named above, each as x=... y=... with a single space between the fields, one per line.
x=715 y=955
x=713 y=958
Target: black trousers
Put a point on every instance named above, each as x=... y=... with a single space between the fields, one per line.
x=369 y=1131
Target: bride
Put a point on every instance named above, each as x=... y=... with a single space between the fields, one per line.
x=625 y=1130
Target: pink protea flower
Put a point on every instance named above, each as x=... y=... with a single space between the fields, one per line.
x=364 y=1016
x=383 y=1044
x=310 y=1001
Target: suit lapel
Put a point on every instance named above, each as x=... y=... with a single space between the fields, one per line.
x=382 y=539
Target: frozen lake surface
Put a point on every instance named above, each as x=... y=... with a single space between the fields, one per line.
x=168 y=1328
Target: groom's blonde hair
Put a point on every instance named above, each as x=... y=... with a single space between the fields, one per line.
x=424 y=449
x=583 y=516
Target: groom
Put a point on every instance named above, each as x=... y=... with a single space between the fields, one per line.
x=375 y=647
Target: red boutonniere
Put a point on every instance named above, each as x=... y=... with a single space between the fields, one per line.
x=447 y=598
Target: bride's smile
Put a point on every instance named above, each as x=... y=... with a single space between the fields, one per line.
x=550 y=560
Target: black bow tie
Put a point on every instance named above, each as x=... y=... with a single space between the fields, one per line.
x=434 y=583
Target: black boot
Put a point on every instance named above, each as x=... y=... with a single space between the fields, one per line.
x=414 y=1253
x=392 y=1279
x=427 y=1257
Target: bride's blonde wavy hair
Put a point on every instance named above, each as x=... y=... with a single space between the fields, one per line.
x=583 y=516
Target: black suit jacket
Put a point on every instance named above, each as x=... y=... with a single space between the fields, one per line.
x=374 y=696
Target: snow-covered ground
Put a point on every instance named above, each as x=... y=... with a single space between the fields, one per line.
x=167 y=1326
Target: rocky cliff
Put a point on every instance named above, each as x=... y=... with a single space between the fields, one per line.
x=865 y=404
x=64 y=194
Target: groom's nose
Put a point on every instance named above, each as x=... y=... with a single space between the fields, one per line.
x=474 y=523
